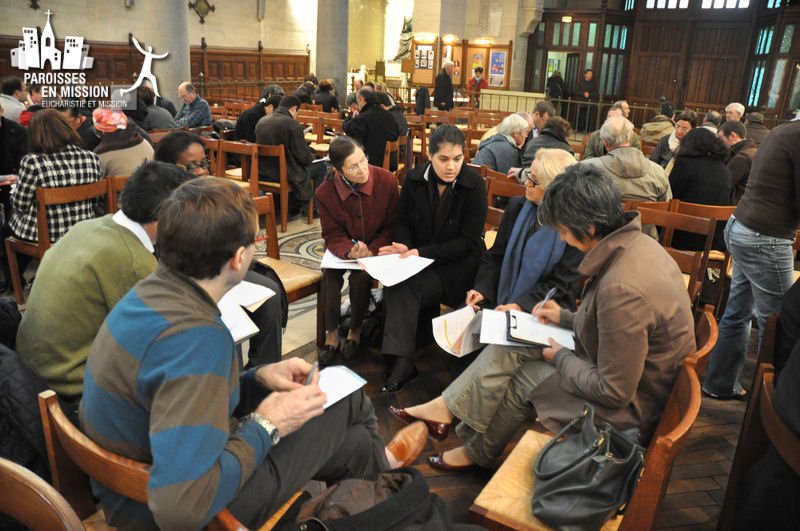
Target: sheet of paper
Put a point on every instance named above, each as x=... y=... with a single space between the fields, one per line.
x=337 y=382
x=331 y=261
x=390 y=269
x=249 y=295
x=530 y=329
x=494 y=330
x=458 y=332
x=239 y=324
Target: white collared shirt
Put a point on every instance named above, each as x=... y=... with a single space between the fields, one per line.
x=124 y=221
x=425 y=175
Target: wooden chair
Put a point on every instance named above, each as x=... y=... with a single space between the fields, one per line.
x=74 y=458
x=404 y=159
x=46 y=197
x=200 y=130
x=282 y=187
x=212 y=152
x=629 y=205
x=247 y=172
x=706 y=333
x=32 y=501
x=669 y=222
x=761 y=426
x=311 y=107
x=505 y=501
x=391 y=147
x=298 y=281
x=157 y=135
x=115 y=186
x=501 y=188
x=473 y=140
x=689 y=263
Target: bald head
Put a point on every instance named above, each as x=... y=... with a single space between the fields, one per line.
x=616 y=132
x=186 y=92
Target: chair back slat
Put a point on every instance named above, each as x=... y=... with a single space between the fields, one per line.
x=265 y=207
x=670 y=437
x=706 y=333
x=61 y=196
x=282 y=186
x=116 y=183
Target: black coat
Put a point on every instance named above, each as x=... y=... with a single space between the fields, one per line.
x=586 y=86
x=454 y=243
x=327 y=100
x=556 y=88
x=279 y=128
x=564 y=275
x=546 y=139
x=443 y=93
x=704 y=180
x=247 y=121
x=14 y=143
x=373 y=127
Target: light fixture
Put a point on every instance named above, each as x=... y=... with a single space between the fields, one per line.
x=566 y=19
x=449 y=38
x=483 y=41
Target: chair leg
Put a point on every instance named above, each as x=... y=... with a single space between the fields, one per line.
x=284 y=209
x=13 y=266
x=320 y=324
x=311 y=210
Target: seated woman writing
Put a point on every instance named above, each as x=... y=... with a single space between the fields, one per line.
x=356 y=210
x=440 y=215
x=633 y=329
x=527 y=260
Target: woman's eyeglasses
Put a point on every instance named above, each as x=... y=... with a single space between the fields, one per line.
x=205 y=164
x=354 y=167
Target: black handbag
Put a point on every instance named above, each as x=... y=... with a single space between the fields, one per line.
x=585 y=479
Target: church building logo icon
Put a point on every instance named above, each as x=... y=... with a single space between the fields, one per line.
x=35 y=54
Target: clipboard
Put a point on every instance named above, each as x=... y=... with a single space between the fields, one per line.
x=525 y=328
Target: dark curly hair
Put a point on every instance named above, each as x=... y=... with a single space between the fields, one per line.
x=701 y=142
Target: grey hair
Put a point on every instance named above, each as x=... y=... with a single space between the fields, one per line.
x=448 y=63
x=512 y=124
x=736 y=106
x=581 y=198
x=617 y=131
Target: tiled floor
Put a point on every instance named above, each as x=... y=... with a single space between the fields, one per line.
x=698 y=481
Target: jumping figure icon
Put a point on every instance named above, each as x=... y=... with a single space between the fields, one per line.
x=146 y=71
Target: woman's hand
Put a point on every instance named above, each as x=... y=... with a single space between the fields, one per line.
x=549 y=353
x=507 y=307
x=410 y=252
x=359 y=250
x=549 y=313
x=394 y=248
x=474 y=298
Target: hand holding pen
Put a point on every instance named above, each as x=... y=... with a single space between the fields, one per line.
x=548 y=311
x=359 y=250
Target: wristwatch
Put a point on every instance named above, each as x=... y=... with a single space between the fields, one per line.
x=264 y=422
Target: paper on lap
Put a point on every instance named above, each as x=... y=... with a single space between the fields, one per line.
x=331 y=261
x=337 y=382
x=458 y=332
x=390 y=269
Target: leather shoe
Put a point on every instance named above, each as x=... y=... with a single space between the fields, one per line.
x=408 y=443
x=437 y=461
x=327 y=353
x=437 y=430
x=403 y=372
x=350 y=349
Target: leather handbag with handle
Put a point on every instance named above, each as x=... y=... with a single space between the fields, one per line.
x=585 y=479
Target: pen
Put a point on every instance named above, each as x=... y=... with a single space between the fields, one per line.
x=312 y=372
x=547 y=297
x=355 y=242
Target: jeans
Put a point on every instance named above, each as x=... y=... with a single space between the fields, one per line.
x=762 y=273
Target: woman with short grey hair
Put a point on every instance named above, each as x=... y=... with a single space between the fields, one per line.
x=633 y=328
x=501 y=152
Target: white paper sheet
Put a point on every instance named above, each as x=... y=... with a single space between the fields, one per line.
x=532 y=330
x=390 y=269
x=494 y=330
x=249 y=295
x=337 y=382
x=458 y=332
x=331 y=261
x=239 y=324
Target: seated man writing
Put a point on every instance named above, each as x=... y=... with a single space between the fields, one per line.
x=162 y=384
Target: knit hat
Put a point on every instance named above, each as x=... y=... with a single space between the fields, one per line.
x=109 y=120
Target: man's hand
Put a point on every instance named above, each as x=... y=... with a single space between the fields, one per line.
x=284 y=375
x=549 y=353
x=288 y=411
x=507 y=307
x=549 y=313
x=474 y=298
x=359 y=250
x=394 y=248
x=514 y=172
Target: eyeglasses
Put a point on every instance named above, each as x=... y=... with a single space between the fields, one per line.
x=354 y=167
x=532 y=180
x=205 y=164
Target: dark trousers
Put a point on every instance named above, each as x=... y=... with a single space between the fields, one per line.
x=265 y=347
x=403 y=304
x=342 y=443
x=330 y=296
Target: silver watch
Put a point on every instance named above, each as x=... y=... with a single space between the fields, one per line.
x=264 y=422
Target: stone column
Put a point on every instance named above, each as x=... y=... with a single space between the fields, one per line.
x=529 y=14
x=171 y=34
x=331 y=49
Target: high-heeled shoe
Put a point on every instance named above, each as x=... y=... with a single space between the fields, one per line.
x=437 y=461
x=437 y=430
x=403 y=372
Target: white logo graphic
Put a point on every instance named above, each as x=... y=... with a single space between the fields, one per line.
x=146 y=71
x=31 y=55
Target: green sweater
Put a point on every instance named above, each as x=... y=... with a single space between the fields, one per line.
x=78 y=282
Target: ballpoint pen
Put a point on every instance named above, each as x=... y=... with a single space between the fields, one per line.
x=547 y=297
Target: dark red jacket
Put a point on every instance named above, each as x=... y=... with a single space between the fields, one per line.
x=365 y=215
